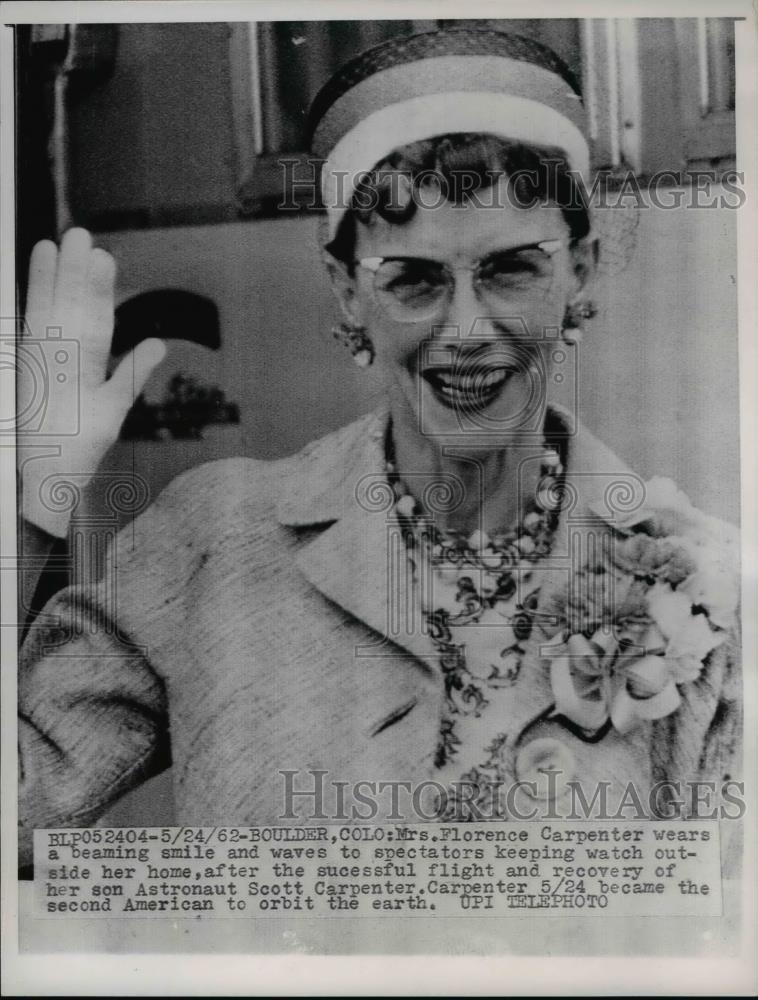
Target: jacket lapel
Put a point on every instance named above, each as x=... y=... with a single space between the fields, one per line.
x=359 y=561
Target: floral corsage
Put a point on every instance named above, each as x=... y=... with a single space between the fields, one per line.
x=641 y=624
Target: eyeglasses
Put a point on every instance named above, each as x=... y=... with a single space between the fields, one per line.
x=413 y=289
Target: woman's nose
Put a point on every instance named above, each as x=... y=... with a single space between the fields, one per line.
x=466 y=311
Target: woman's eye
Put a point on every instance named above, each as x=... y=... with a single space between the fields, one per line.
x=412 y=281
x=509 y=269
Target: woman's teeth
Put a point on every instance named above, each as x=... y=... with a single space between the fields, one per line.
x=475 y=389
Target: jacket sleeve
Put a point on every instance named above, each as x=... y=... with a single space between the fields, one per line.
x=701 y=741
x=93 y=714
x=98 y=663
x=697 y=751
x=92 y=717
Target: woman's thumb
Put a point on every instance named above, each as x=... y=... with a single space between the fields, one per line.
x=133 y=371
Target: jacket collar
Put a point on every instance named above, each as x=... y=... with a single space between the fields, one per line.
x=358 y=561
x=320 y=485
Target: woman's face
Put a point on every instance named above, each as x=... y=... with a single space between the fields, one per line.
x=480 y=361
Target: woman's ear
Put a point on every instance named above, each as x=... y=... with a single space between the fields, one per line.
x=343 y=284
x=584 y=255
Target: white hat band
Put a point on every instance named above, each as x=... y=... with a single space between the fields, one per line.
x=418 y=118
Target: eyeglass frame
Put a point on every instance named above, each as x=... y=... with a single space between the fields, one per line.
x=372 y=264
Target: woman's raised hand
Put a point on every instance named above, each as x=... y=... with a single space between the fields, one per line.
x=71 y=290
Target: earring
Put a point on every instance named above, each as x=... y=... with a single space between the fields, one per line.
x=575 y=314
x=358 y=342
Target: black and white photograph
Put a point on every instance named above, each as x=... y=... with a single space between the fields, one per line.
x=374 y=577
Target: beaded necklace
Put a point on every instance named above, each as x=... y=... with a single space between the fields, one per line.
x=471 y=580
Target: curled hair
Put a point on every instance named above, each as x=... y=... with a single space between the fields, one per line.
x=459 y=168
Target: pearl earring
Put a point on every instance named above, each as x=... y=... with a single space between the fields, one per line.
x=358 y=342
x=575 y=314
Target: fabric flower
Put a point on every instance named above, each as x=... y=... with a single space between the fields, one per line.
x=715 y=588
x=635 y=628
x=592 y=682
x=647 y=677
x=687 y=634
x=660 y=557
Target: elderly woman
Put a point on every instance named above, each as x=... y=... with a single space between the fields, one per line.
x=462 y=606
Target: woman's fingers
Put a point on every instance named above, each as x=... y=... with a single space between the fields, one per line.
x=71 y=279
x=127 y=381
x=97 y=316
x=39 y=297
x=73 y=288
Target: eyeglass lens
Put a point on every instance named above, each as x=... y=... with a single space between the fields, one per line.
x=408 y=286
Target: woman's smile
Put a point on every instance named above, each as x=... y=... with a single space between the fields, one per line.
x=471 y=380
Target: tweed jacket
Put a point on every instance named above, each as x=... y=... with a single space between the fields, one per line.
x=248 y=624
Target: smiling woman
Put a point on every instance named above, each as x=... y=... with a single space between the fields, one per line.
x=462 y=592
x=489 y=281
